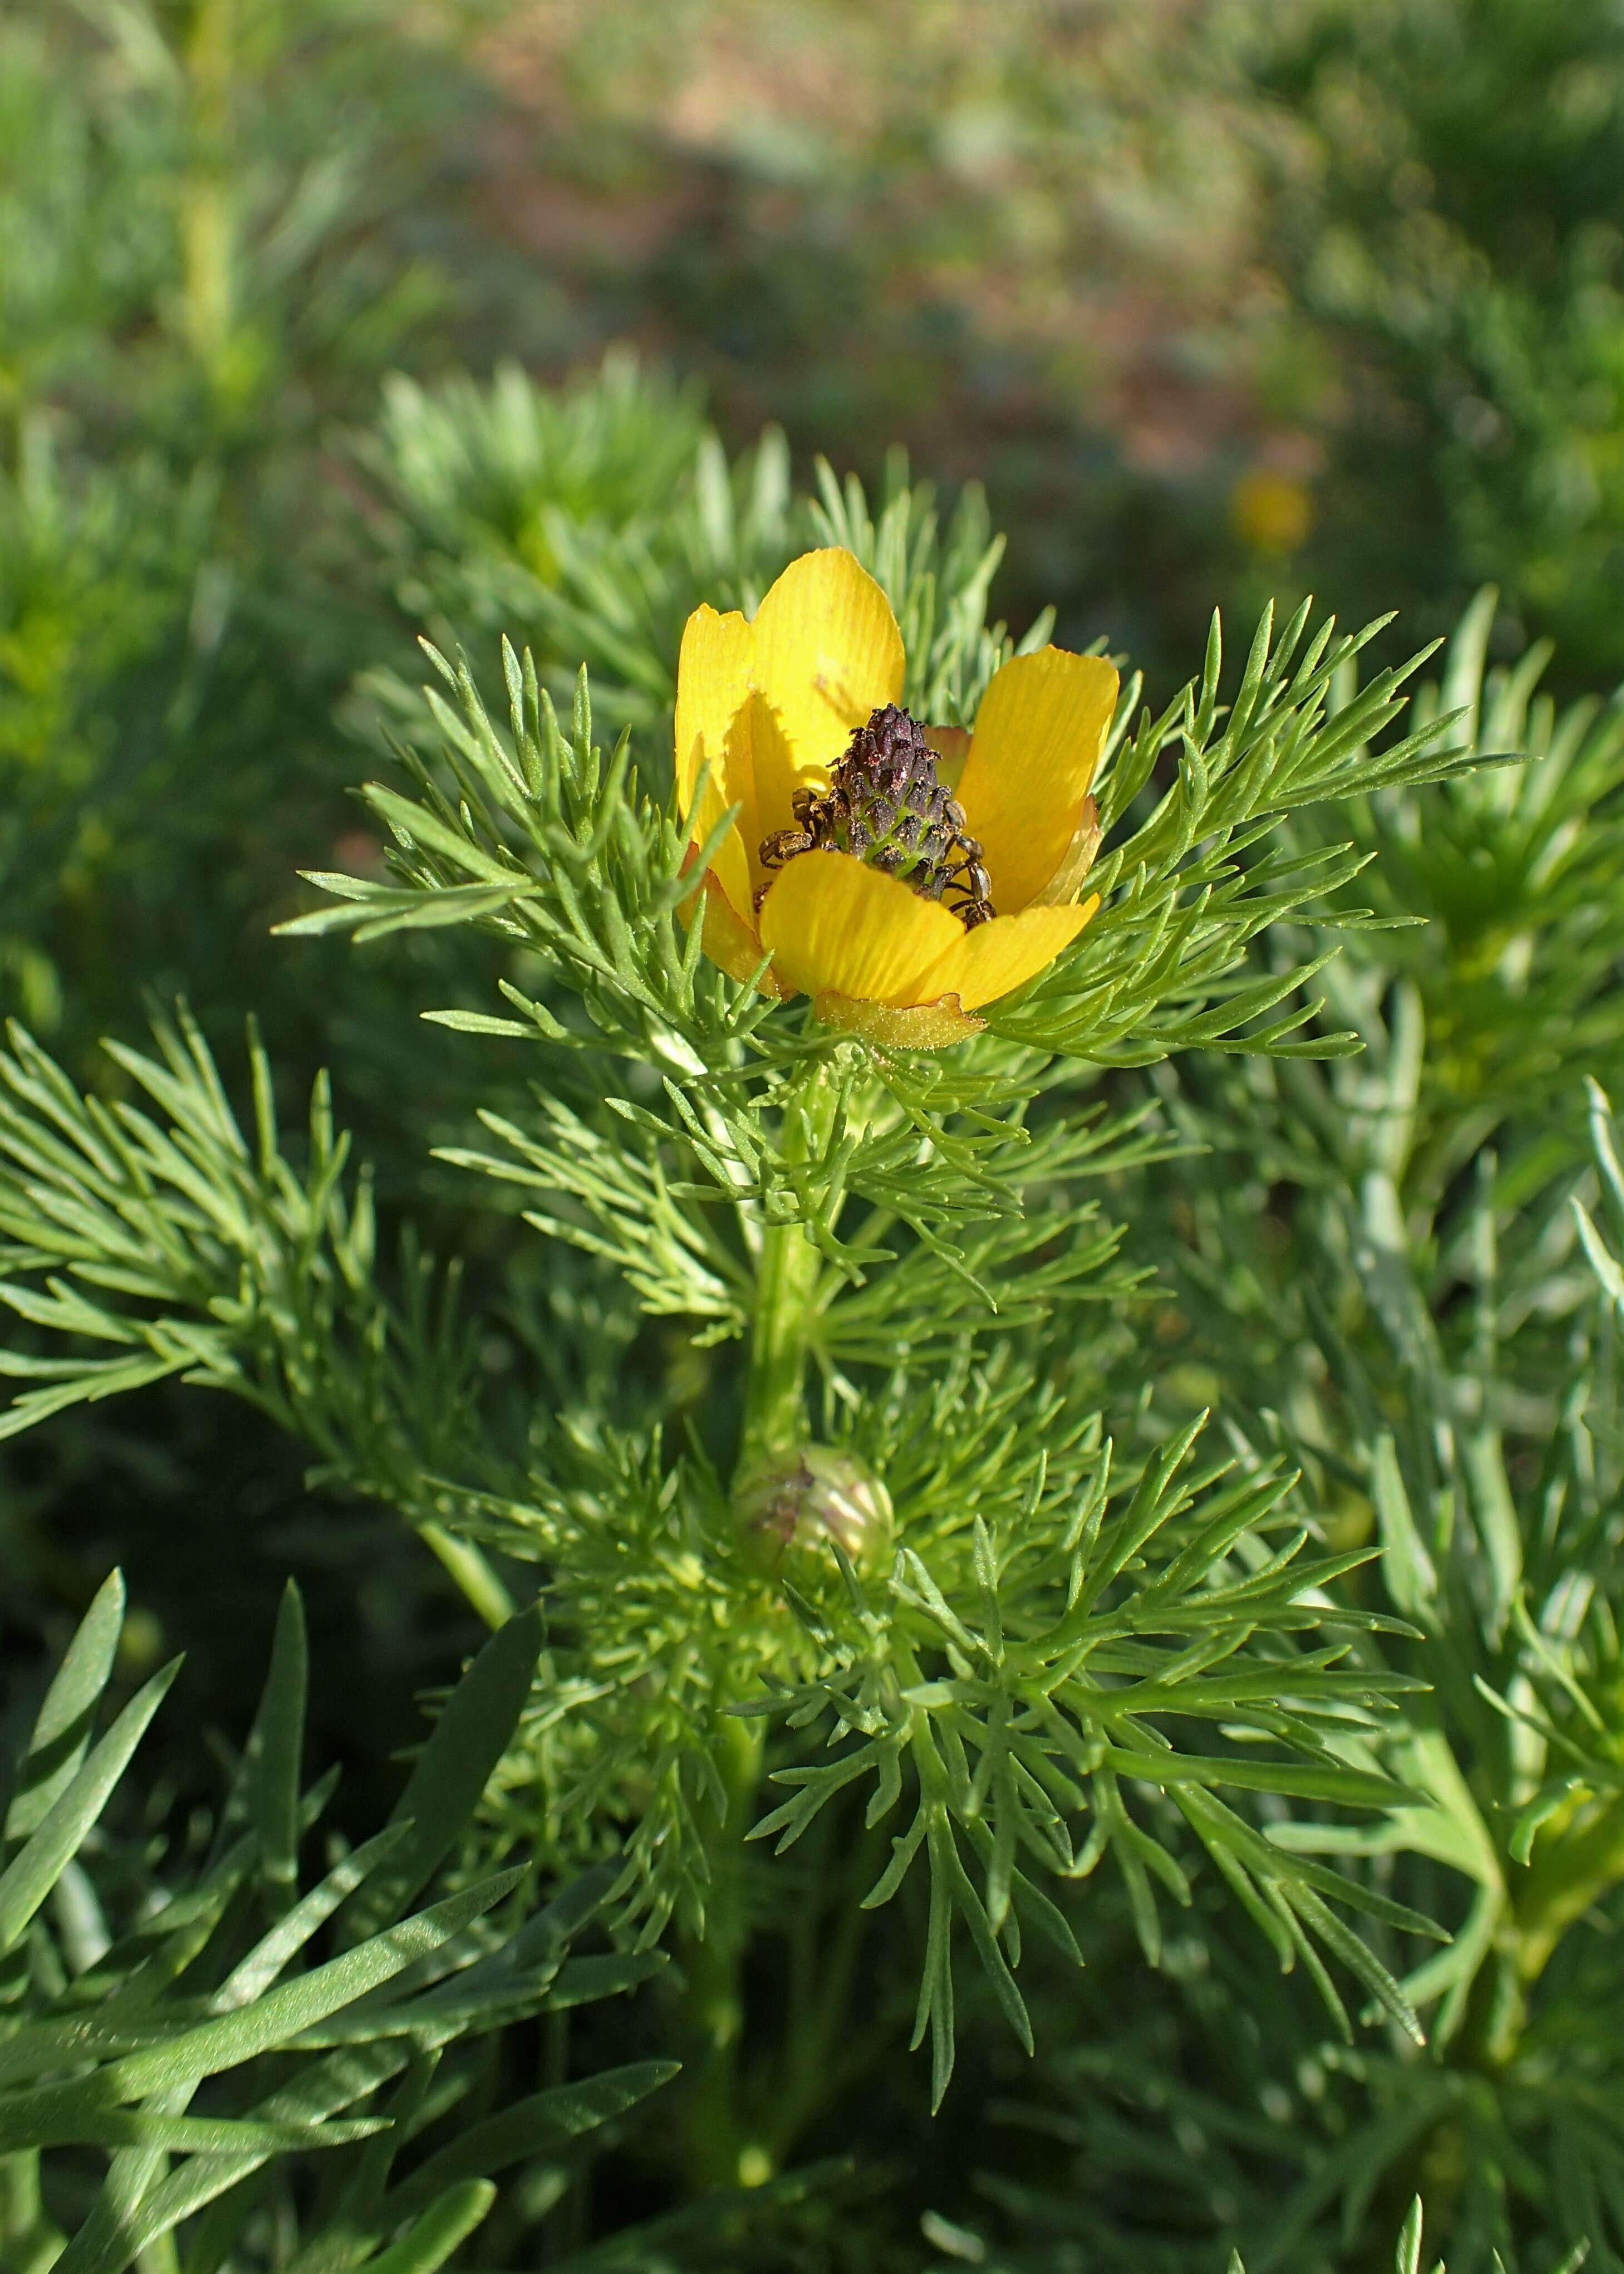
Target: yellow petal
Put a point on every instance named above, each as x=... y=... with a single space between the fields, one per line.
x=827 y=652
x=713 y=693
x=1067 y=881
x=1038 y=737
x=900 y=1027
x=1000 y=956
x=836 y=927
x=729 y=939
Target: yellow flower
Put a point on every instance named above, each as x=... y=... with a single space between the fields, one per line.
x=1270 y=511
x=899 y=929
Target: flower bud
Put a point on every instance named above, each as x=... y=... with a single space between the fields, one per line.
x=806 y=1499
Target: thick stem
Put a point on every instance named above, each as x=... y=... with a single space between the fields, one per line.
x=1566 y=1878
x=775 y=1414
x=208 y=214
x=822 y=2052
x=479 y=1583
x=723 y=2145
x=725 y=2142
x=1571 y=1872
x=29 y=2240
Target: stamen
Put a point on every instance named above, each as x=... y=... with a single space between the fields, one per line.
x=885 y=805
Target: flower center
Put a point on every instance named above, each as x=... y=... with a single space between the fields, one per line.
x=885 y=805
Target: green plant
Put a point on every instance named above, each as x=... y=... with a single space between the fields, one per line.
x=877 y=1215
x=1449 y=242
x=1140 y=1486
x=208 y=256
x=588 y=523
x=961 y=2246
x=171 y=2018
x=197 y=275
x=1381 y=1264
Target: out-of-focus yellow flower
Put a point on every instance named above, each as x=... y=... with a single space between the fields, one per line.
x=1271 y=512
x=901 y=875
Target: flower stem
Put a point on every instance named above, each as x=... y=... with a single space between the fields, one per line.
x=786 y=1285
x=723 y=2147
x=480 y=1584
x=1571 y=1874
x=29 y=2240
x=725 y=2138
x=208 y=215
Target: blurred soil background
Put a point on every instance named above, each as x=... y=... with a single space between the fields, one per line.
x=1217 y=298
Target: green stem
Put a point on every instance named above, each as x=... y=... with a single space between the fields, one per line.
x=208 y=215
x=787 y=1287
x=473 y=1575
x=725 y=2142
x=1571 y=1872
x=775 y=1412
x=1572 y=1869
x=724 y=2146
x=1567 y=1876
x=820 y=2042
x=29 y=2241
x=161 y=2257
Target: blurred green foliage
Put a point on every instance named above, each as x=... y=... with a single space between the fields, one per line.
x=1455 y=262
